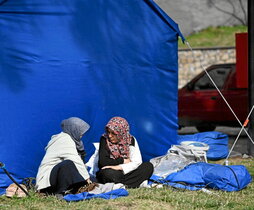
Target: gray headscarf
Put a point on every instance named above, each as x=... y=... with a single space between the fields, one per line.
x=76 y=128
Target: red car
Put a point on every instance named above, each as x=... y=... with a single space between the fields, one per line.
x=201 y=105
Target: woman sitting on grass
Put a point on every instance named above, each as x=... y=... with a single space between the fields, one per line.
x=62 y=168
x=120 y=160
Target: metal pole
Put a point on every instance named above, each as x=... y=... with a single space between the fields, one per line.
x=251 y=71
x=2 y=166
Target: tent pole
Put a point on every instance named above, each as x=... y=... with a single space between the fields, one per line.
x=251 y=71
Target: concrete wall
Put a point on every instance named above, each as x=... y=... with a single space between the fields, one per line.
x=194 y=15
x=190 y=62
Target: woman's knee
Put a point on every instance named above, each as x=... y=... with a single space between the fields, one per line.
x=147 y=167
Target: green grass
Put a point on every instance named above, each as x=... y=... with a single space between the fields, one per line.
x=163 y=198
x=214 y=36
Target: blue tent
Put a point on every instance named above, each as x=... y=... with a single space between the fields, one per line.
x=93 y=59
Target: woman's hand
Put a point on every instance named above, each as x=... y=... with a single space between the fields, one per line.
x=126 y=160
x=88 y=181
x=118 y=168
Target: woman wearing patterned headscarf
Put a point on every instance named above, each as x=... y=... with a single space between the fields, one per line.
x=120 y=160
x=62 y=167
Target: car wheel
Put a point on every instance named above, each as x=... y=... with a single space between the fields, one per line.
x=204 y=128
x=180 y=127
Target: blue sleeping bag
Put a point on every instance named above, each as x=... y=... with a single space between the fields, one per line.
x=215 y=176
x=227 y=178
x=218 y=143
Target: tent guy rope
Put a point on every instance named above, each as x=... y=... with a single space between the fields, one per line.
x=243 y=126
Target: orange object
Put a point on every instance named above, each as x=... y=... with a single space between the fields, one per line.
x=246 y=122
x=20 y=193
x=11 y=190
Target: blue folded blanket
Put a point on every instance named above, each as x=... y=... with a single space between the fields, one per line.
x=86 y=195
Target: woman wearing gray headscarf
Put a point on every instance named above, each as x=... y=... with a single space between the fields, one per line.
x=62 y=168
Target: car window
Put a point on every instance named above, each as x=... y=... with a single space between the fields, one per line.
x=219 y=75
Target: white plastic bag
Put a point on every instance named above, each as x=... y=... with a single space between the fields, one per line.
x=93 y=161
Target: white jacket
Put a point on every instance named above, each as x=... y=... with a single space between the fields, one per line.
x=135 y=158
x=60 y=147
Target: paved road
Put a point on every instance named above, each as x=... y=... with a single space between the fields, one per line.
x=241 y=145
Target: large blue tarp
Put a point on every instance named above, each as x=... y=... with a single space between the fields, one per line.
x=92 y=59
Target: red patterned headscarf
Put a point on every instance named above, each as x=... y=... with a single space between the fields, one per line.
x=121 y=127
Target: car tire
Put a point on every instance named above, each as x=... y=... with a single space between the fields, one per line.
x=204 y=128
x=180 y=127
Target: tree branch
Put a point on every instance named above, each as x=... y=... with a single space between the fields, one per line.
x=233 y=13
x=244 y=12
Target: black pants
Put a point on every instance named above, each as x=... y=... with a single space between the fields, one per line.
x=131 y=180
x=64 y=176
